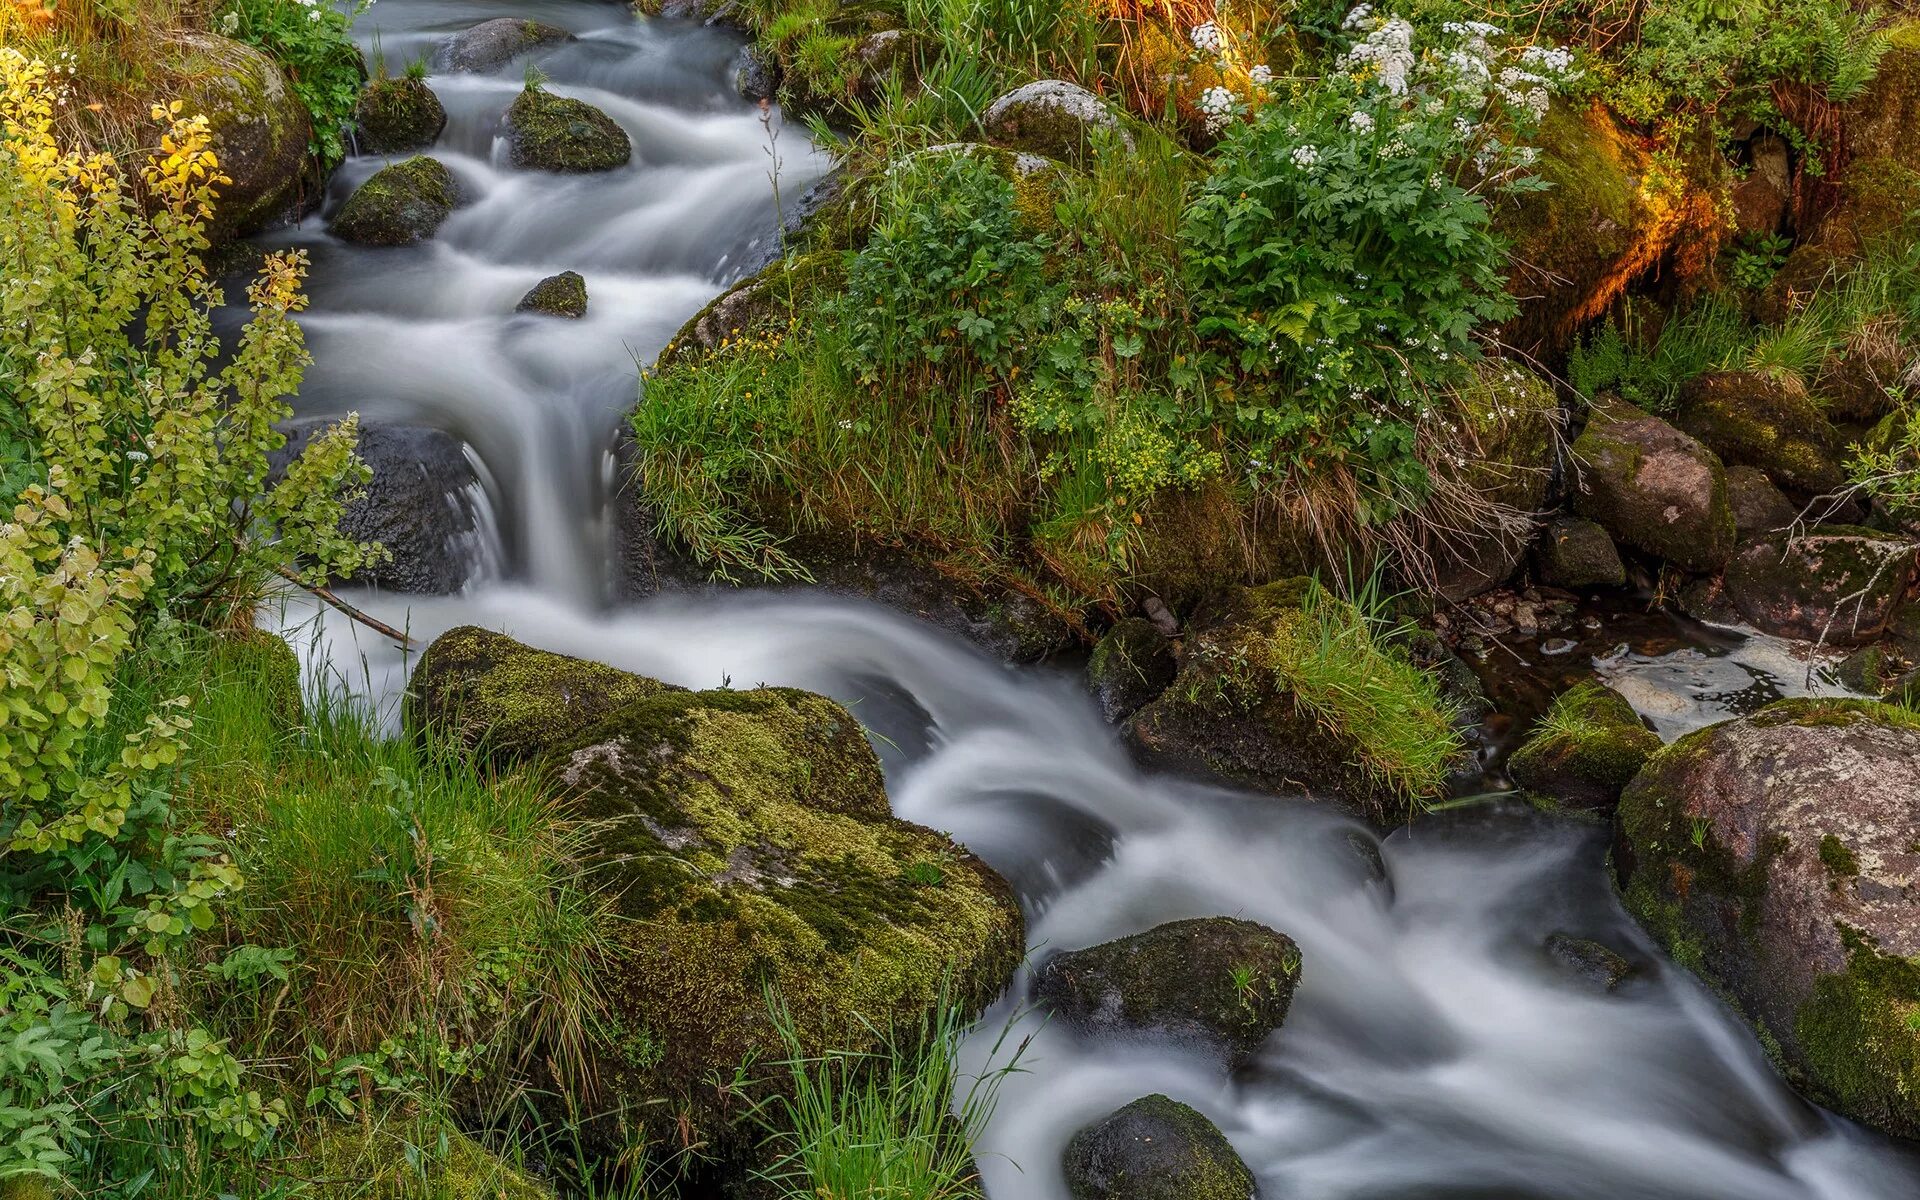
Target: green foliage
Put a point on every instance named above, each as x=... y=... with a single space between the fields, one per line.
x=311 y=41
x=897 y=1121
x=1756 y=263
x=1649 y=367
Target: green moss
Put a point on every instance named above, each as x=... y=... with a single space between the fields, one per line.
x=1155 y=1148
x=1814 y=711
x=513 y=701
x=357 y=1164
x=546 y=132
x=397 y=114
x=1860 y=1033
x=1754 y=419
x=27 y=1187
x=1837 y=858
x=746 y=835
x=399 y=205
x=562 y=295
x=1588 y=746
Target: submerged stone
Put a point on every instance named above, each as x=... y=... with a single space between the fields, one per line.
x=1217 y=983
x=546 y=132
x=401 y=204
x=1774 y=855
x=1593 y=963
x=1155 y=1148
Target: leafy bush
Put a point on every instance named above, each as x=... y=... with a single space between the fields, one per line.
x=1341 y=258
x=310 y=39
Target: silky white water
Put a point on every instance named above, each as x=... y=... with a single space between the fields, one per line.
x=1433 y=1050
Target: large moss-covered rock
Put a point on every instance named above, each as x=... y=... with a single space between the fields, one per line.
x=397 y=115
x=495 y=43
x=1609 y=216
x=746 y=841
x=1504 y=444
x=1587 y=748
x=1653 y=487
x=1131 y=665
x=1263 y=698
x=1871 y=368
x=491 y=693
x=399 y=205
x=1836 y=583
x=562 y=295
x=260 y=128
x=358 y=1164
x=1155 y=1149
x=1769 y=422
x=546 y=132
x=1577 y=553
x=1214 y=982
x=1776 y=856
x=1759 y=508
x=1050 y=117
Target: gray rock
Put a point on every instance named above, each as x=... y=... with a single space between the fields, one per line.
x=1776 y=856
x=753 y=76
x=1049 y=117
x=420 y=504
x=495 y=43
x=1155 y=1149
x=1576 y=553
x=1653 y=488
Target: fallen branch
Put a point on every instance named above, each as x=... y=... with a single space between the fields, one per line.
x=368 y=619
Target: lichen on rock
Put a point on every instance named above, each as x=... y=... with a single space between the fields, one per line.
x=1838 y=584
x=546 y=132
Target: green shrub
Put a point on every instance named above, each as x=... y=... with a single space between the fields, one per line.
x=311 y=39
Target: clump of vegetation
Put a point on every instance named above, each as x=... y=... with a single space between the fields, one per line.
x=311 y=40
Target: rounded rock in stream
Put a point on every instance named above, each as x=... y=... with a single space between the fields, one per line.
x=400 y=205
x=495 y=43
x=546 y=132
x=1653 y=487
x=1776 y=855
x=1214 y=982
x=1838 y=584
x=1131 y=665
x=1587 y=748
x=396 y=115
x=744 y=841
x=1155 y=1149
x=1576 y=553
x=562 y=295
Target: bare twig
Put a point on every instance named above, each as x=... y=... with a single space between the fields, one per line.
x=365 y=618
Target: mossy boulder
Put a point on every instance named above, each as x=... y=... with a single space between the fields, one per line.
x=1610 y=215
x=1049 y=117
x=1576 y=553
x=546 y=132
x=1759 y=508
x=1269 y=694
x=357 y=1164
x=29 y=1187
x=745 y=841
x=1775 y=856
x=1131 y=665
x=1155 y=1149
x=1217 y=983
x=1871 y=670
x=1873 y=366
x=1755 y=419
x=1839 y=584
x=562 y=295
x=509 y=700
x=263 y=663
x=1505 y=442
x=1653 y=488
x=260 y=128
x=495 y=43
x=401 y=204
x=397 y=115
x=1587 y=748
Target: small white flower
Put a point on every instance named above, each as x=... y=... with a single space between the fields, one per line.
x=1360 y=122
x=1206 y=38
x=1261 y=75
x=1305 y=157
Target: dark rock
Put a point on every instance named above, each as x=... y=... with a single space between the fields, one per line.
x=1509 y=417
x=1587 y=748
x=509 y=701
x=397 y=115
x=562 y=295
x=1213 y=982
x=1874 y=366
x=1654 y=488
x=1837 y=584
x=1595 y=964
x=260 y=128
x=1760 y=201
x=1460 y=686
x=1575 y=553
x=546 y=132
x=1132 y=664
x=401 y=204
x=1775 y=856
x=1870 y=670
x=1759 y=508
x=420 y=504
x=753 y=76
x=1049 y=117
x=495 y=43
x=1905 y=691
x=1155 y=1149
x=1753 y=419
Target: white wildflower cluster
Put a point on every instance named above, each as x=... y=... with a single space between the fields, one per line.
x=1206 y=38
x=1217 y=105
x=1261 y=74
x=1306 y=157
x=1360 y=121
x=1385 y=55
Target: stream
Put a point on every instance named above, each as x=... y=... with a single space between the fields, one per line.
x=1434 y=1050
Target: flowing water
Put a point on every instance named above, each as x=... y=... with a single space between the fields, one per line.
x=1433 y=1050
